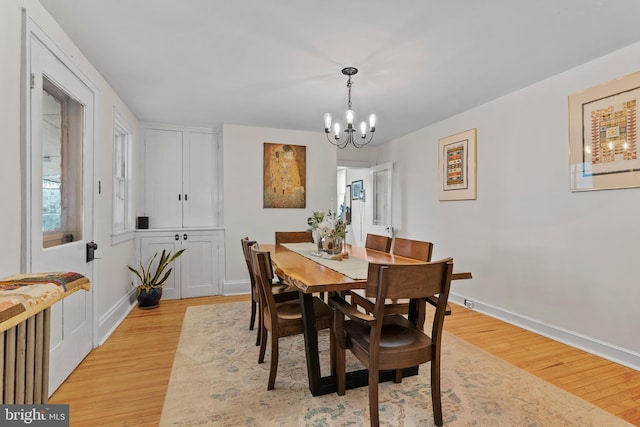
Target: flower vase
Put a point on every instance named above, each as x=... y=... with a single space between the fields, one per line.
x=331 y=245
x=317 y=238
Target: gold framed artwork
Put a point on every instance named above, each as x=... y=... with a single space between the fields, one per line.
x=284 y=176
x=603 y=138
x=457 y=166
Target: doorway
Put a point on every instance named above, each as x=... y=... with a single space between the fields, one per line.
x=364 y=194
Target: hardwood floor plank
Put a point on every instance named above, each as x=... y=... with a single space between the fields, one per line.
x=124 y=382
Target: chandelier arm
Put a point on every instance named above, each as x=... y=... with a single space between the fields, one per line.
x=362 y=144
x=340 y=143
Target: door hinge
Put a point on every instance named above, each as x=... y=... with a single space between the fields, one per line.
x=32 y=81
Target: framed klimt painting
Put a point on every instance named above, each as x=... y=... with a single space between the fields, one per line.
x=285 y=176
x=457 y=166
x=603 y=136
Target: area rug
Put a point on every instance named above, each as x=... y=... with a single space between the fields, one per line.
x=216 y=380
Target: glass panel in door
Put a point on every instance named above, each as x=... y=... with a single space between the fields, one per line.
x=380 y=200
x=62 y=124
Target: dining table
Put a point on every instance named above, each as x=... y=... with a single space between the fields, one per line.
x=301 y=265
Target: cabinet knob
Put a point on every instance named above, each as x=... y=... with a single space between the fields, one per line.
x=177 y=237
x=179 y=196
x=184 y=236
x=186 y=197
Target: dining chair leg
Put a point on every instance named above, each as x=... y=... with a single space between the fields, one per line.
x=253 y=314
x=340 y=371
x=374 y=415
x=332 y=353
x=273 y=370
x=436 y=397
x=260 y=328
x=263 y=343
x=397 y=376
x=260 y=320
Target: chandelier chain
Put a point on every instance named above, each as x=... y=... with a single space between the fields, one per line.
x=349 y=87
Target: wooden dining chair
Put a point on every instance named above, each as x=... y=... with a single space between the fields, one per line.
x=378 y=243
x=416 y=249
x=283 y=318
x=293 y=237
x=383 y=341
x=408 y=248
x=281 y=291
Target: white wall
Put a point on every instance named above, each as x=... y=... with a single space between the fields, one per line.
x=554 y=261
x=112 y=281
x=244 y=214
x=10 y=171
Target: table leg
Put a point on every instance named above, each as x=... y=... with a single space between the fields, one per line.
x=317 y=385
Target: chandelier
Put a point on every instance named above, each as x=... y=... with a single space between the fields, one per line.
x=349 y=130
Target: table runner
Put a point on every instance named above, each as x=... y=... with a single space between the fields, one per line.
x=352 y=267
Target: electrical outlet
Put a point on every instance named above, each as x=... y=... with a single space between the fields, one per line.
x=468 y=303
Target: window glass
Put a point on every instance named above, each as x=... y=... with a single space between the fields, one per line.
x=62 y=127
x=122 y=192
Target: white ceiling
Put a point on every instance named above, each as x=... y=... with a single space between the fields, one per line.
x=276 y=63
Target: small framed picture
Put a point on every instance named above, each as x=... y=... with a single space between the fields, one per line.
x=356 y=189
x=457 y=164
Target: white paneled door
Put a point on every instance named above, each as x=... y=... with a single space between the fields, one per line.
x=60 y=176
x=379 y=200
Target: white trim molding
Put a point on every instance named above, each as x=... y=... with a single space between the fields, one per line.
x=598 y=348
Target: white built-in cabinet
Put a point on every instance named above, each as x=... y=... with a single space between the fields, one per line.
x=198 y=271
x=181 y=198
x=181 y=178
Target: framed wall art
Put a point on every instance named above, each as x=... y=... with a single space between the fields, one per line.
x=603 y=136
x=356 y=189
x=285 y=176
x=347 y=205
x=457 y=166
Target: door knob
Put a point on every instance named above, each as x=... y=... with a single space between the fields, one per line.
x=91 y=250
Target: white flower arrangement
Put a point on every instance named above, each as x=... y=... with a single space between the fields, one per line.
x=327 y=225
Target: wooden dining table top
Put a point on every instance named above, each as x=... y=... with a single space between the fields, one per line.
x=310 y=276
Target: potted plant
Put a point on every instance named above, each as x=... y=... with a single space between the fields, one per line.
x=152 y=280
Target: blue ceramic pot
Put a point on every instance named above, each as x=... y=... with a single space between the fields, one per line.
x=150 y=299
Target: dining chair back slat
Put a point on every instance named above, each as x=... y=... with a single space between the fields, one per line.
x=378 y=243
x=416 y=249
x=293 y=237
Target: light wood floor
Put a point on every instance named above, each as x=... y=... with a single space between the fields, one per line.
x=123 y=382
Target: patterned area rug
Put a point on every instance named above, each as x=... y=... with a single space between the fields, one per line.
x=216 y=380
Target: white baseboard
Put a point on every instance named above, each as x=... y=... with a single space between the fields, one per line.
x=236 y=287
x=112 y=319
x=607 y=351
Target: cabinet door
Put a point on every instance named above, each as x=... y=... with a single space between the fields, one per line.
x=200 y=264
x=149 y=245
x=199 y=184
x=163 y=178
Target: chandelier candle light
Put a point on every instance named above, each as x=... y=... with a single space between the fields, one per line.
x=350 y=130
